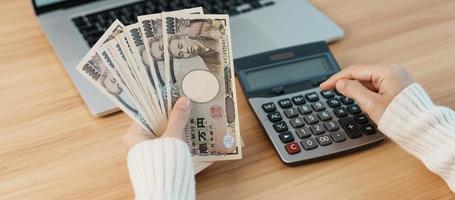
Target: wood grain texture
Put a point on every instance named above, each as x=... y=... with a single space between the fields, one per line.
x=52 y=148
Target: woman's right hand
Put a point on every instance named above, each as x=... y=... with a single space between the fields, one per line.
x=373 y=86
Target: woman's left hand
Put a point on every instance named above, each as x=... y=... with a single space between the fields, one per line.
x=175 y=126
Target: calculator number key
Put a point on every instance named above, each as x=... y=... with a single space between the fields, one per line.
x=285 y=103
x=297 y=122
x=318 y=106
x=317 y=129
x=298 y=100
x=280 y=126
x=324 y=116
x=310 y=119
x=328 y=94
x=291 y=112
x=331 y=126
x=350 y=127
x=305 y=109
x=303 y=132
x=286 y=137
x=274 y=116
x=324 y=140
x=292 y=148
x=309 y=143
x=269 y=107
x=312 y=97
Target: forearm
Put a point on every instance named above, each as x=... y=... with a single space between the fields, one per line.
x=161 y=169
x=423 y=129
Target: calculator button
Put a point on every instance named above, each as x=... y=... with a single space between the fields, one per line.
x=310 y=119
x=334 y=103
x=340 y=112
x=305 y=109
x=324 y=115
x=298 y=100
x=368 y=129
x=318 y=106
x=361 y=119
x=328 y=93
x=312 y=97
x=324 y=140
x=292 y=148
x=303 y=132
x=338 y=136
x=274 y=116
x=354 y=109
x=309 y=143
x=280 y=126
x=350 y=127
x=285 y=103
x=331 y=126
x=346 y=100
x=317 y=129
x=286 y=137
x=297 y=122
x=269 y=107
x=291 y=112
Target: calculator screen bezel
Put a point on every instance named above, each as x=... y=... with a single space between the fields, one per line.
x=298 y=54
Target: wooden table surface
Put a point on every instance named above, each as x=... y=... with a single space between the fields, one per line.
x=52 y=148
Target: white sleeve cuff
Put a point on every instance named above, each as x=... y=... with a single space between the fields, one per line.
x=161 y=169
x=423 y=129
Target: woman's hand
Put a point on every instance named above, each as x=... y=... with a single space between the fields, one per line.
x=373 y=86
x=175 y=126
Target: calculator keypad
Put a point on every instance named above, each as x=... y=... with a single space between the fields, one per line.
x=316 y=119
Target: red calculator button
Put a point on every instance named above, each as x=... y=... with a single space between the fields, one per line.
x=292 y=148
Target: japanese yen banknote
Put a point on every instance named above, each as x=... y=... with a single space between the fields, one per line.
x=145 y=67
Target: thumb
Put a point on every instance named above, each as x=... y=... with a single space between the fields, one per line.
x=178 y=118
x=355 y=90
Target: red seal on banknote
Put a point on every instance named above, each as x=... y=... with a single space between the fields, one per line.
x=216 y=112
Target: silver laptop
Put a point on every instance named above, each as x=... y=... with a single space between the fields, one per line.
x=73 y=26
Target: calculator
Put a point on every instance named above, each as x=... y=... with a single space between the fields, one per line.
x=302 y=122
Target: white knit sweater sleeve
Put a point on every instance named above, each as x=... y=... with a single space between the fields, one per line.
x=423 y=129
x=161 y=169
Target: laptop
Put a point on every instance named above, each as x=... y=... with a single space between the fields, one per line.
x=73 y=26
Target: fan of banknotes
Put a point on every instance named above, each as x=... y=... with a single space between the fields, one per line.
x=145 y=67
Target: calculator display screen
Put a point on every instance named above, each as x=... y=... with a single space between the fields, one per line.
x=288 y=73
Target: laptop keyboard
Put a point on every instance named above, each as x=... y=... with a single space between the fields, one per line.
x=92 y=26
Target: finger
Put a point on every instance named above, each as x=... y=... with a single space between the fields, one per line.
x=178 y=118
x=355 y=90
x=356 y=72
x=369 y=85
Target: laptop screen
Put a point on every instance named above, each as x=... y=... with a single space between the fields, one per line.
x=42 y=6
x=41 y=3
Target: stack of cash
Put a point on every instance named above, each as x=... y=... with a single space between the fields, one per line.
x=145 y=67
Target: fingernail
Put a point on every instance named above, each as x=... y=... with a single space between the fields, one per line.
x=184 y=103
